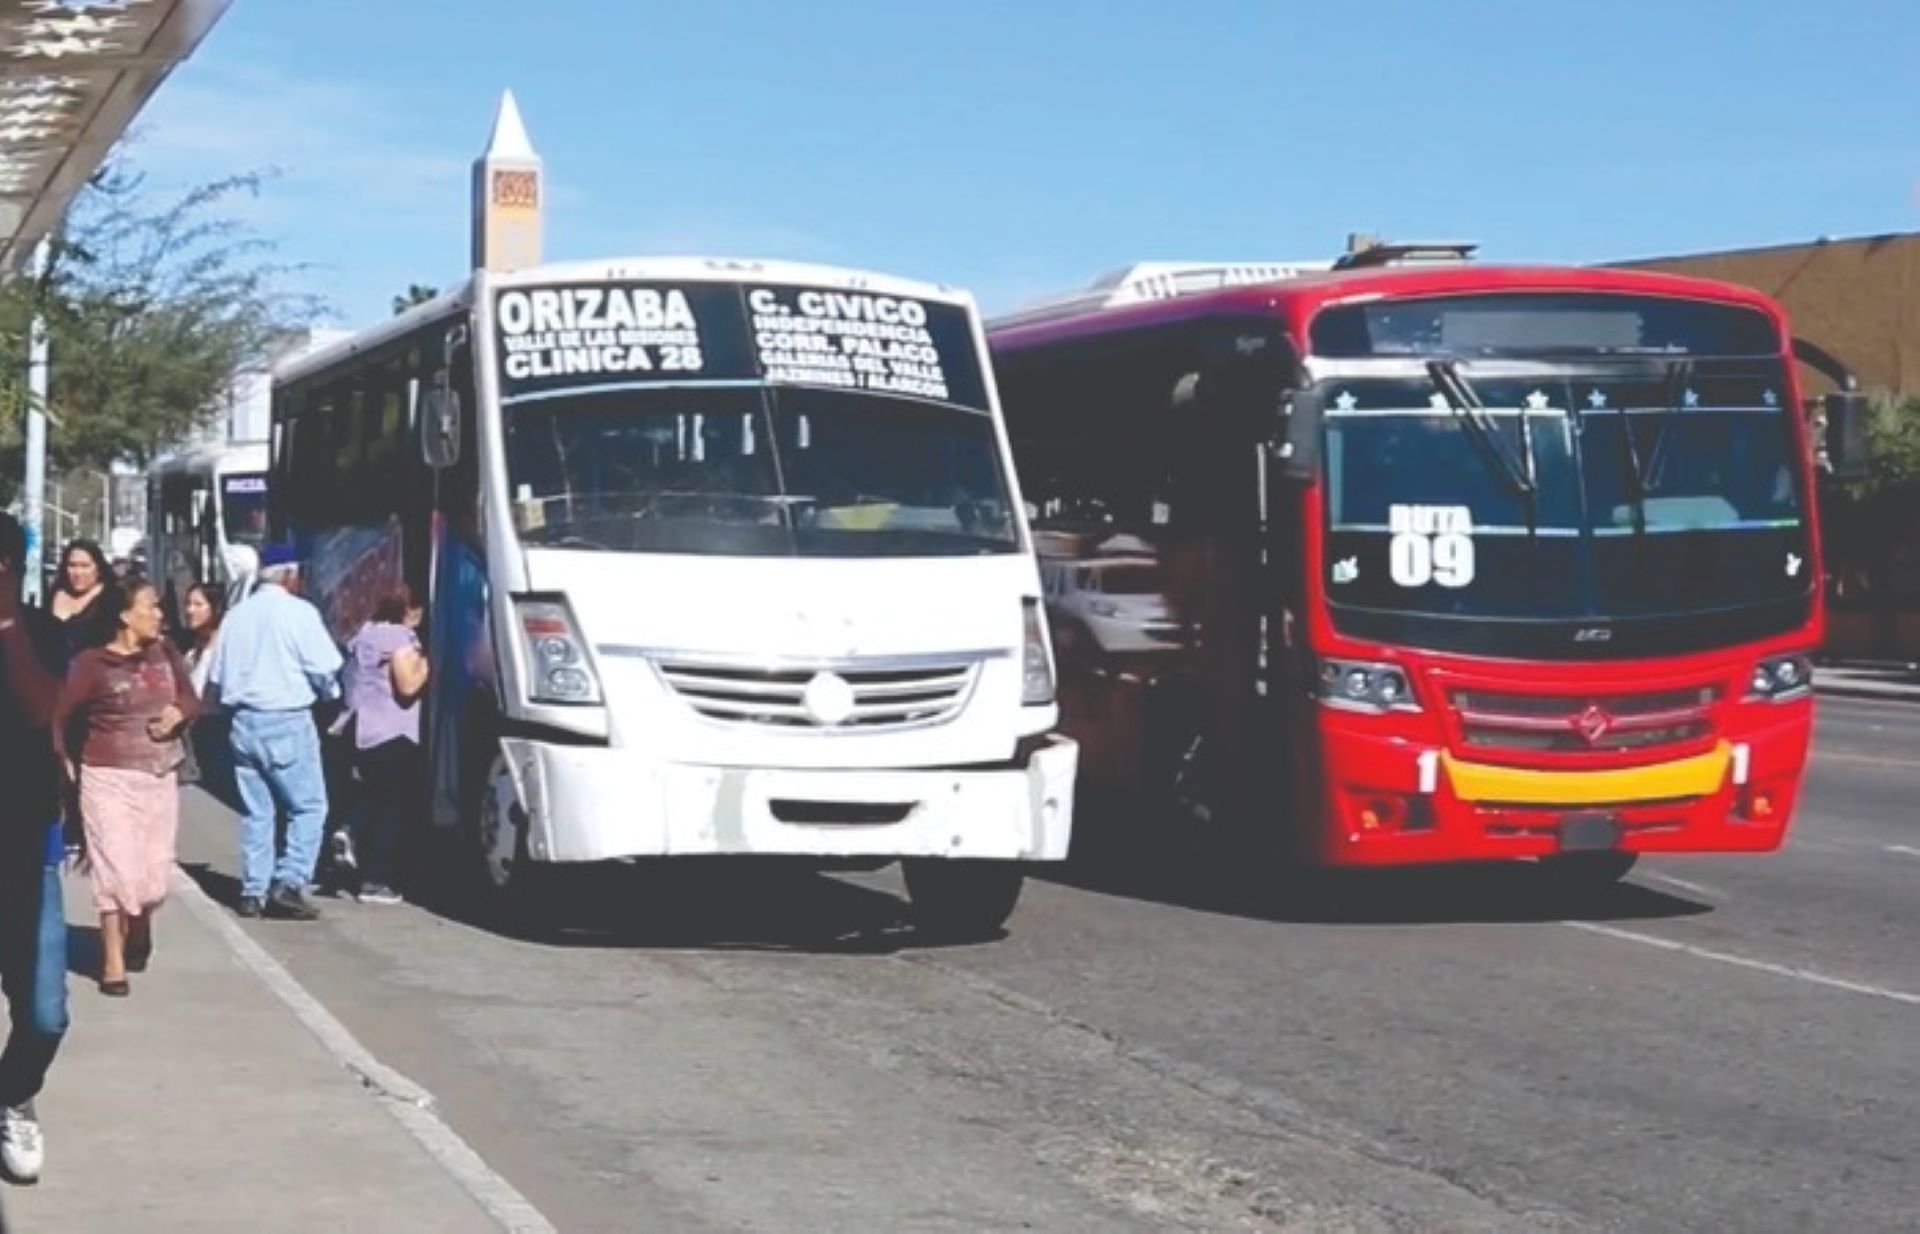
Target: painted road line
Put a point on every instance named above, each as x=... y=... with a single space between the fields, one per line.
x=1789 y=971
x=1668 y=880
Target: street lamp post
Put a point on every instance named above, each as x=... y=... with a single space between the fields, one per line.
x=36 y=485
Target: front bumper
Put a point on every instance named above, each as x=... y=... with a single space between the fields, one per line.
x=594 y=803
x=1392 y=800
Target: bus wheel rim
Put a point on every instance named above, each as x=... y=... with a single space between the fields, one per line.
x=498 y=832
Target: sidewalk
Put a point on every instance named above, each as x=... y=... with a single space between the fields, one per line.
x=203 y=1103
x=1890 y=683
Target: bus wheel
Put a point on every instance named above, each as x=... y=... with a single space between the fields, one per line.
x=510 y=882
x=1587 y=871
x=961 y=901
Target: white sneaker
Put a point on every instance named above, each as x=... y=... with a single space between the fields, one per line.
x=340 y=849
x=23 y=1149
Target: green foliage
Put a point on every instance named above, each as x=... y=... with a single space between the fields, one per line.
x=416 y=293
x=1893 y=436
x=150 y=311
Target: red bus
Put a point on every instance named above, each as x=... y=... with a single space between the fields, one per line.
x=1470 y=562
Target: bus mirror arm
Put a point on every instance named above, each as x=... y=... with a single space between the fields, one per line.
x=1844 y=412
x=1296 y=446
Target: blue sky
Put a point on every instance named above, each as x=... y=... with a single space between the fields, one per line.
x=1021 y=147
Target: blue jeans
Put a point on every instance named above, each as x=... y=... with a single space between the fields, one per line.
x=33 y=962
x=276 y=763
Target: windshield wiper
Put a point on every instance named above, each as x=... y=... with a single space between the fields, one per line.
x=1641 y=471
x=1471 y=413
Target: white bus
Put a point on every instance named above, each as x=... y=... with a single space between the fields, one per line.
x=206 y=519
x=719 y=558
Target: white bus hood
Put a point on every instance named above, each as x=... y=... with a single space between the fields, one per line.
x=645 y=614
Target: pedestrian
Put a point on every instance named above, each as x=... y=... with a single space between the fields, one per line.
x=117 y=732
x=208 y=761
x=33 y=920
x=273 y=662
x=385 y=675
x=85 y=575
x=206 y=606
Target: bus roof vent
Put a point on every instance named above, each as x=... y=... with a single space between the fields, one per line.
x=1369 y=252
x=1168 y=280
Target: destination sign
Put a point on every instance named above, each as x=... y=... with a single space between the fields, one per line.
x=593 y=335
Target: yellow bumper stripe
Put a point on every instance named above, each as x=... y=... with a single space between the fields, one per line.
x=1690 y=777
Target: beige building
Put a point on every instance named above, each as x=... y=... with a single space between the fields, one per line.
x=1859 y=298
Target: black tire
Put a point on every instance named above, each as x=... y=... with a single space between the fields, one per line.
x=962 y=901
x=1586 y=872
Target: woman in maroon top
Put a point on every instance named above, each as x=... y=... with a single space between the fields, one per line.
x=117 y=731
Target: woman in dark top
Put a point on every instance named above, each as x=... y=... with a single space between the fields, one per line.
x=127 y=704
x=85 y=576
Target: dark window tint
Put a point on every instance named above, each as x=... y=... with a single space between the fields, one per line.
x=1521 y=324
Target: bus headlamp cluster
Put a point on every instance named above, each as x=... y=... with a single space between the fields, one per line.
x=1365 y=686
x=559 y=670
x=1781 y=679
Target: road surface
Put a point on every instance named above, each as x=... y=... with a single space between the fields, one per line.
x=1720 y=1044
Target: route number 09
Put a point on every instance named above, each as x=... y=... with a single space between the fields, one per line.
x=1415 y=560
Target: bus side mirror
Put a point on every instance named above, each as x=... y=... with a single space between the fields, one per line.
x=1298 y=446
x=440 y=428
x=1845 y=413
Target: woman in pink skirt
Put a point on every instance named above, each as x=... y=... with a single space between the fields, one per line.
x=118 y=732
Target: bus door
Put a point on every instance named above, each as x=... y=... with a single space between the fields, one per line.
x=1244 y=529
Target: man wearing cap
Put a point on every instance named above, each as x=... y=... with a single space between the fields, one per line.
x=273 y=662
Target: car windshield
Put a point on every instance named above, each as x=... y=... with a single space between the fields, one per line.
x=757 y=471
x=1649 y=495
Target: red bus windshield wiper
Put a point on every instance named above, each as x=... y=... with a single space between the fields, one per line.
x=1471 y=414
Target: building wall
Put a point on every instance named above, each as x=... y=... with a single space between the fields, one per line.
x=1860 y=299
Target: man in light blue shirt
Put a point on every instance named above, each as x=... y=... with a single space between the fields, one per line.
x=272 y=662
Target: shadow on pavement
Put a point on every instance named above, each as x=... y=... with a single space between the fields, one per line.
x=83 y=951
x=1194 y=877
x=693 y=904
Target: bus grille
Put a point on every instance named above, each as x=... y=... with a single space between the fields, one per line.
x=882 y=698
x=1584 y=723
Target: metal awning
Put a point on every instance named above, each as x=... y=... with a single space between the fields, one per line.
x=73 y=75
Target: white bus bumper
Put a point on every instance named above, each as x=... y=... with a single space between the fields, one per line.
x=591 y=803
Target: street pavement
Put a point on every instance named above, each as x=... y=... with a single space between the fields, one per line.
x=200 y=1103
x=1886 y=682
x=1724 y=1043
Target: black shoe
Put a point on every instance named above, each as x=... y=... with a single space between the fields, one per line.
x=289 y=904
x=252 y=907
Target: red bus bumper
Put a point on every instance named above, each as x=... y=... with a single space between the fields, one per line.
x=1393 y=795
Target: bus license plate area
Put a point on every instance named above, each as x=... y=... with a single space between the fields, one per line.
x=1589 y=831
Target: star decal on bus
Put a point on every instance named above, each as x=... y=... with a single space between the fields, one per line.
x=1537 y=401
x=1691 y=398
x=1596 y=400
x=1770 y=398
x=1346 y=401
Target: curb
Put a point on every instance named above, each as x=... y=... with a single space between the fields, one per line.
x=410 y=1104
x=1910 y=697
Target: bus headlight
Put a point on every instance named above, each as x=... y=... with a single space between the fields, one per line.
x=1780 y=679
x=1036 y=658
x=1365 y=686
x=559 y=670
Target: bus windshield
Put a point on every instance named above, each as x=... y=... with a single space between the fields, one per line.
x=1650 y=495
x=757 y=471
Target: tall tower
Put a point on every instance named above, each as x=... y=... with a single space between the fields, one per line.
x=509 y=195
